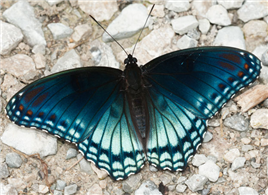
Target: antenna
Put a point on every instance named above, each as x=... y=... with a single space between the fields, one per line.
x=143 y=28
x=108 y=33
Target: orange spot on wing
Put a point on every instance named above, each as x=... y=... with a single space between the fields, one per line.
x=29 y=112
x=52 y=117
x=40 y=99
x=231 y=79
x=31 y=94
x=246 y=66
x=240 y=74
x=221 y=86
x=41 y=114
x=21 y=107
x=227 y=65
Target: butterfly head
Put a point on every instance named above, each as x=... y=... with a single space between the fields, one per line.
x=130 y=60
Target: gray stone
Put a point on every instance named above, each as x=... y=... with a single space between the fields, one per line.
x=199 y=159
x=21 y=14
x=10 y=37
x=201 y=7
x=230 y=36
x=259 y=119
x=217 y=14
x=183 y=24
x=214 y=122
x=153 y=168
x=238 y=162
x=210 y=170
x=71 y=189
x=186 y=42
x=100 y=10
x=81 y=32
x=57 y=192
x=60 y=185
x=120 y=28
x=84 y=165
x=212 y=158
x=102 y=54
x=39 y=49
x=42 y=189
x=7 y=189
x=71 y=153
x=166 y=179
x=59 y=30
x=19 y=65
x=68 y=61
x=247 y=191
x=246 y=148
x=265 y=103
x=237 y=122
x=231 y=155
x=231 y=4
x=208 y=137
x=29 y=141
x=40 y=61
x=4 y=172
x=54 y=2
x=264 y=58
x=102 y=174
x=148 y=188
x=196 y=182
x=181 y=188
x=177 y=6
x=194 y=34
x=252 y=10
x=181 y=180
x=131 y=183
x=204 y=25
x=13 y=160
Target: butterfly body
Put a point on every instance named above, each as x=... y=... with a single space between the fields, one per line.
x=157 y=112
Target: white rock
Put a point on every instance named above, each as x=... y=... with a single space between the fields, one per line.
x=59 y=30
x=210 y=170
x=70 y=60
x=259 y=119
x=100 y=10
x=230 y=36
x=196 y=182
x=186 y=42
x=177 y=6
x=253 y=10
x=158 y=10
x=181 y=188
x=204 y=26
x=148 y=188
x=157 y=43
x=231 y=155
x=247 y=191
x=238 y=163
x=217 y=14
x=29 y=141
x=183 y=24
x=231 y=4
x=39 y=49
x=120 y=27
x=81 y=32
x=40 y=61
x=43 y=189
x=10 y=37
x=199 y=159
x=19 y=65
x=200 y=7
x=102 y=54
x=54 y=2
x=8 y=189
x=21 y=14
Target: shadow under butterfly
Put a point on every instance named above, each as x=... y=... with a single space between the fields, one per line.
x=156 y=112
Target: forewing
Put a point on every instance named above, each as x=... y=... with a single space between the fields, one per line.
x=202 y=79
x=66 y=104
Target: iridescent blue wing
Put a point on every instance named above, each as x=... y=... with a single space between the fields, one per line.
x=85 y=106
x=185 y=88
x=113 y=145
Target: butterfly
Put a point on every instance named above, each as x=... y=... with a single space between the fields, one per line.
x=155 y=113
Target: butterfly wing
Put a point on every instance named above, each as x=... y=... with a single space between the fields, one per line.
x=85 y=106
x=185 y=88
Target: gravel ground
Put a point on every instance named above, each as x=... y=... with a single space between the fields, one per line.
x=234 y=157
